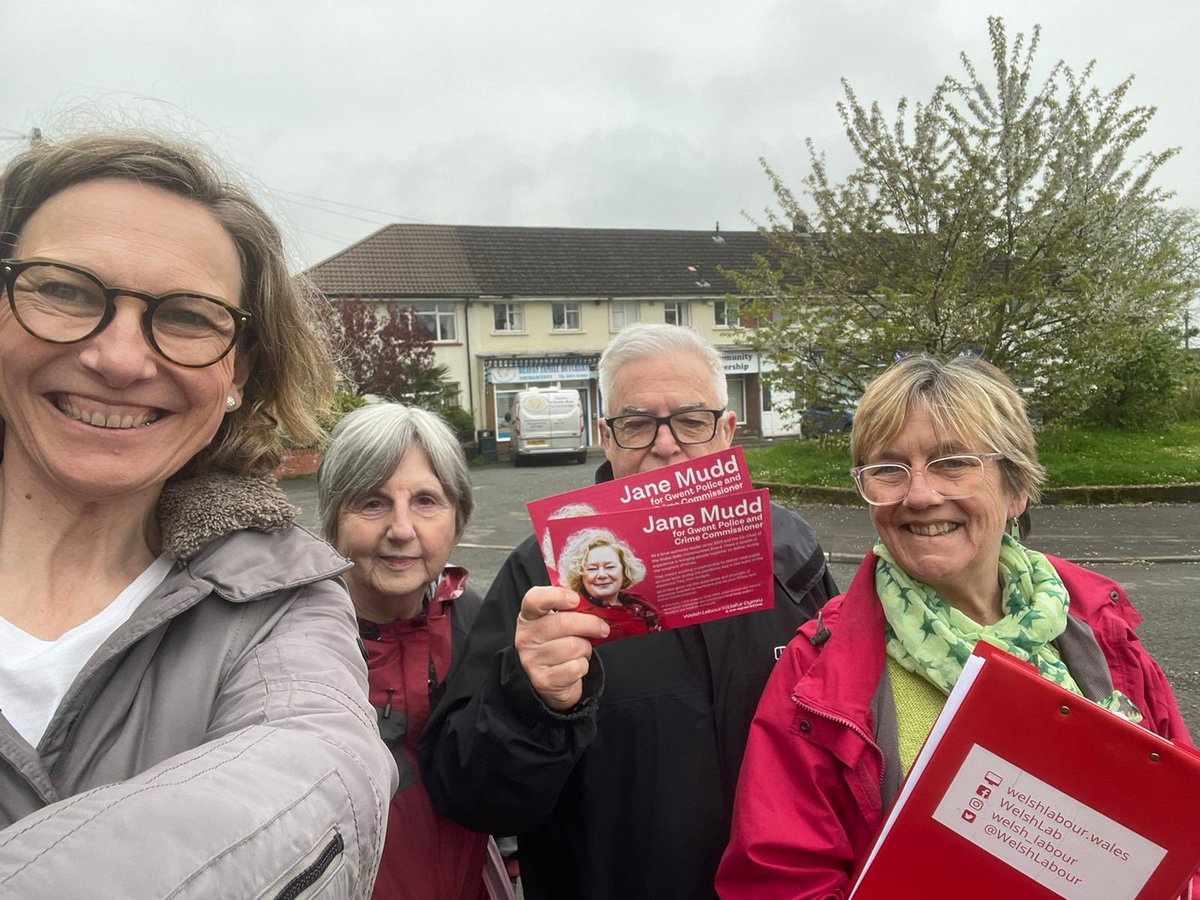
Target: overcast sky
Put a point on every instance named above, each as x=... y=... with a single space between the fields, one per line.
x=516 y=112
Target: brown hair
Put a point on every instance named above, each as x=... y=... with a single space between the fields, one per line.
x=966 y=397
x=291 y=370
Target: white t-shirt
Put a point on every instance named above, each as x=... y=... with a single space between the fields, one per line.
x=35 y=674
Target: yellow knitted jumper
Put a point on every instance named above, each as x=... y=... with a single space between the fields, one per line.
x=918 y=704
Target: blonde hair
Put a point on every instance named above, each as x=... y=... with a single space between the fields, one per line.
x=291 y=370
x=581 y=543
x=967 y=398
x=570 y=511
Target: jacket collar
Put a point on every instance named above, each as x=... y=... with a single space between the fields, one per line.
x=194 y=511
x=448 y=588
x=248 y=564
x=1092 y=594
x=235 y=533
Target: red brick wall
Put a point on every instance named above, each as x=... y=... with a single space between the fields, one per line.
x=298 y=462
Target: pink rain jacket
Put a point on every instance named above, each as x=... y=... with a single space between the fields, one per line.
x=809 y=801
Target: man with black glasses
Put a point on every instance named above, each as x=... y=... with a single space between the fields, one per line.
x=617 y=766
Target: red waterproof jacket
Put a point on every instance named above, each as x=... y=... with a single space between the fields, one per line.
x=809 y=802
x=425 y=856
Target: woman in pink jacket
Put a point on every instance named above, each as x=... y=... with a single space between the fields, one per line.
x=945 y=457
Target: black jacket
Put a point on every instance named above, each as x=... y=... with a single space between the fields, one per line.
x=629 y=794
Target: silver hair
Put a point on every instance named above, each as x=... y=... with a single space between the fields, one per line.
x=367 y=445
x=581 y=543
x=648 y=339
x=570 y=511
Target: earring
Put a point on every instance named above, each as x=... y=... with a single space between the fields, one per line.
x=231 y=403
x=1014 y=528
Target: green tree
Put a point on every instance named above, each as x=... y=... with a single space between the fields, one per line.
x=1144 y=388
x=1008 y=219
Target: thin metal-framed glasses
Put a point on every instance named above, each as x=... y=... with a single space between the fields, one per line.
x=63 y=303
x=950 y=477
x=639 y=430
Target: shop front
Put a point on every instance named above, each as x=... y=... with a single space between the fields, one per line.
x=741 y=381
x=504 y=376
x=750 y=396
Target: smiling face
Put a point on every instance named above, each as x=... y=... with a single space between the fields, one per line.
x=661 y=385
x=109 y=417
x=951 y=545
x=399 y=539
x=603 y=574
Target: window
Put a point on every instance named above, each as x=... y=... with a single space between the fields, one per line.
x=504 y=408
x=437 y=320
x=675 y=312
x=564 y=316
x=508 y=317
x=725 y=314
x=622 y=313
x=736 y=386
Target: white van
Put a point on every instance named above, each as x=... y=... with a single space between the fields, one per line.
x=548 y=421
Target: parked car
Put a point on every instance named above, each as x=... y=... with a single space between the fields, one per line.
x=818 y=420
x=546 y=422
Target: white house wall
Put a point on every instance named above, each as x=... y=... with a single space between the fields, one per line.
x=478 y=338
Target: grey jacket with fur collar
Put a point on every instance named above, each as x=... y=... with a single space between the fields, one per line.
x=220 y=742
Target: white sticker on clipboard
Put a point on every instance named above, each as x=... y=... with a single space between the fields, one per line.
x=1051 y=837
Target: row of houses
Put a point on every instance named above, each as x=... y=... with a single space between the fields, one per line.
x=510 y=308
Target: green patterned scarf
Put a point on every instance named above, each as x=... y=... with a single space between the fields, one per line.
x=931 y=638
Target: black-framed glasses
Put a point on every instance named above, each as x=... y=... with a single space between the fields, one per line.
x=690 y=426
x=65 y=304
x=951 y=477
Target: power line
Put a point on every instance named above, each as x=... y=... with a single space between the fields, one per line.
x=392 y=217
x=336 y=212
x=325 y=236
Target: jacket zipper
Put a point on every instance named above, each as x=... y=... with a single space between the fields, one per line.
x=309 y=876
x=848 y=724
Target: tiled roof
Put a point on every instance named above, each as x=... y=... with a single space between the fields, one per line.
x=470 y=260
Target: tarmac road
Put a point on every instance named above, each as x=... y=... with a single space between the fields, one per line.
x=1166 y=592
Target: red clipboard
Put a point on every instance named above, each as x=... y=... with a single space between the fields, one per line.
x=1024 y=789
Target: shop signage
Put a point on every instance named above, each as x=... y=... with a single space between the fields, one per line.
x=739 y=362
x=535 y=372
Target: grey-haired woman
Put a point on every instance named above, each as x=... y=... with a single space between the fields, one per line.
x=394 y=496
